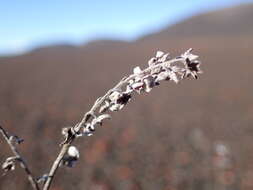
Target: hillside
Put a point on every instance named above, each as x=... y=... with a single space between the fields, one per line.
x=232 y=21
x=51 y=87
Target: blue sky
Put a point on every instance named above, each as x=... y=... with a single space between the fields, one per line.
x=26 y=24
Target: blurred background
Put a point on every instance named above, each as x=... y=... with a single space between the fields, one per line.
x=57 y=57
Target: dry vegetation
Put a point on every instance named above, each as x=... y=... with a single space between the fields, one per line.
x=197 y=135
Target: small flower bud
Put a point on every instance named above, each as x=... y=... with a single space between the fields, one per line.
x=159 y=54
x=152 y=61
x=116 y=107
x=73 y=152
x=9 y=163
x=137 y=70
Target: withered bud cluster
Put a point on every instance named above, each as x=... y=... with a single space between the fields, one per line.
x=9 y=163
x=71 y=157
x=160 y=68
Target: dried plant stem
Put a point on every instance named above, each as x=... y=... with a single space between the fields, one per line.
x=160 y=68
x=21 y=160
x=65 y=146
x=55 y=165
x=89 y=114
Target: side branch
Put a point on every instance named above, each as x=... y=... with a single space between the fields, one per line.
x=21 y=160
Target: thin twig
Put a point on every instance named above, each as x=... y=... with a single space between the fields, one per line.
x=21 y=160
x=55 y=165
x=65 y=146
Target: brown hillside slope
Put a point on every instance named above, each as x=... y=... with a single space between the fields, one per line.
x=52 y=87
x=236 y=20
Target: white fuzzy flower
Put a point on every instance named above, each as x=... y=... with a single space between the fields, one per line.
x=116 y=107
x=164 y=57
x=149 y=83
x=173 y=76
x=114 y=96
x=137 y=70
x=152 y=61
x=162 y=76
x=189 y=55
x=104 y=107
x=9 y=163
x=129 y=89
x=87 y=130
x=73 y=152
x=99 y=119
x=159 y=54
x=176 y=69
x=15 y=139
x=137 y=85
x=118 y=100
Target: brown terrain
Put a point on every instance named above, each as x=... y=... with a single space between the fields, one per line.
x=192 y=136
